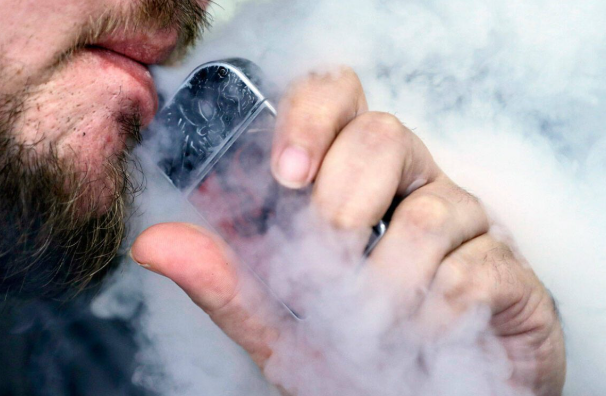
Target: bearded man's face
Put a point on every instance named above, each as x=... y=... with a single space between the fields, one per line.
x=74 y=93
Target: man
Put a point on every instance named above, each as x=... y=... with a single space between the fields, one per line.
x=75 y=90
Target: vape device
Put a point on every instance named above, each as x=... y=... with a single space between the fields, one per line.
x=214 y=140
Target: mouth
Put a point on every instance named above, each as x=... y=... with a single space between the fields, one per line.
x=148 y=48
x=132 y=54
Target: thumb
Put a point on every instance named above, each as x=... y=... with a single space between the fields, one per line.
x=208 y=271
x=198 y=261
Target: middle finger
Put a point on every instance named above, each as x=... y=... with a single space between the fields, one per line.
x=373 y=159
x=433 y=221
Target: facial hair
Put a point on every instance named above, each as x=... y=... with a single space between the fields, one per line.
x=56 y=238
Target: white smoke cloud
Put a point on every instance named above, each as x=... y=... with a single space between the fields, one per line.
x=510 y=99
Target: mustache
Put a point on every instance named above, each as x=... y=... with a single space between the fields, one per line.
x=187 y=17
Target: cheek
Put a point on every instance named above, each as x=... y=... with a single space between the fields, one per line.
x=34 y=32
x=77 y=115
x=73 y=120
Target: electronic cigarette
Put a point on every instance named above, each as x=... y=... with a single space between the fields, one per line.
x=215 y=142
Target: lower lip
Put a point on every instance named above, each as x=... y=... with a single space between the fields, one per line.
x=146 y=99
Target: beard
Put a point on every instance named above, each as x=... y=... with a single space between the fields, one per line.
x=56 y=236
x=59 y=232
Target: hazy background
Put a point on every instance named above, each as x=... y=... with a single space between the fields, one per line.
x=510 y=99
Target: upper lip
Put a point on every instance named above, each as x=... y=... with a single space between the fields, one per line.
x=148 y=48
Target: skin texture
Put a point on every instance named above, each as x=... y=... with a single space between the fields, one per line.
x=37 y=43
x=74 y=93
x=58 y=97
x=452 y=262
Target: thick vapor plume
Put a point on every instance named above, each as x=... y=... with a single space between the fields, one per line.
x=509 y=97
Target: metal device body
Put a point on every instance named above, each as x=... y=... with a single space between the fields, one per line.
x=215 y=148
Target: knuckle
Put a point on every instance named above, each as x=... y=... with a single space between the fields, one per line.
x=345 y=218
x=343 y=73
x=499 y=260
x=344 y=221
x=382 y=129
x=376 y=120
x=227 y=295
x=341 y=215
x=347 y=76
x=348 y=71
x=499 y=255
x=453 y=277
x=469 y=197
x=342 y=79
x=351 y=80
x=425 y=214
x=461 y=195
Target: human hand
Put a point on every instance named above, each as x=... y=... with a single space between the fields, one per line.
x=359 y=161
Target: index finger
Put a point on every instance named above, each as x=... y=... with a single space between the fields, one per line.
x=310 y=116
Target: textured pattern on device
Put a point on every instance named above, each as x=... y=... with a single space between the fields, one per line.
x=202 y=114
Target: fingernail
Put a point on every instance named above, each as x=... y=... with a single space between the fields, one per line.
x=130 y=254
x=293 y=167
